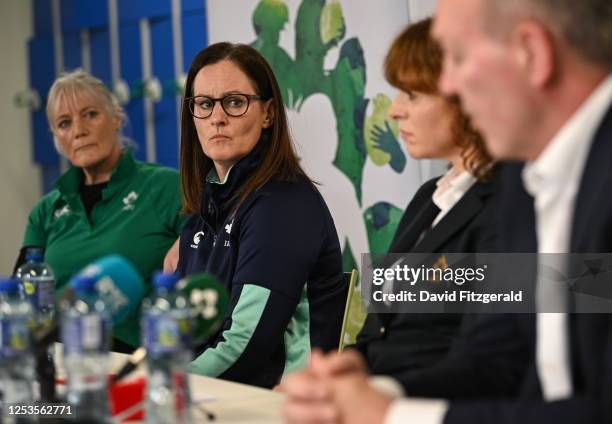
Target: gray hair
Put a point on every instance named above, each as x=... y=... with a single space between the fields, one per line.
x=70 y=85
x=586 y=25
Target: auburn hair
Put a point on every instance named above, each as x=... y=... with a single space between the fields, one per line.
x=277 y=155
x=414 y=63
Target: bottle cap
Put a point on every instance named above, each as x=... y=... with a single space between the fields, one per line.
x=83 y=283
x=34 y=254
x=9 y=285
x=164 y=281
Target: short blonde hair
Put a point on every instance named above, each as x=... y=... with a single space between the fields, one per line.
x=70 y=85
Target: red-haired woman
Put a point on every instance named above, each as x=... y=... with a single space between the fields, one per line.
x=454 y=213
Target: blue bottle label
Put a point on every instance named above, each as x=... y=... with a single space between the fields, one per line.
x=86 y=333
x=164 y=334
x=46 y=294
x=40 y=294
x=14 y=337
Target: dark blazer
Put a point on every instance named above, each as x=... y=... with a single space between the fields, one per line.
x=396 y=343
x=590 y=334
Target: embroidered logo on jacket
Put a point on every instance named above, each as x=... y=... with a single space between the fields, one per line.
x=60 y=212
x=129 y=201
x=228 y=227
x=228 y=230
x=196 y=239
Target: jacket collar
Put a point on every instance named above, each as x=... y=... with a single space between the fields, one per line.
x=218 y=195
x=69 y=183
x=466 y=208
x=594 y=188
x=517 y=206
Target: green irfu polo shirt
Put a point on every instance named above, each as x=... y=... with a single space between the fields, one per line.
x=138 y=217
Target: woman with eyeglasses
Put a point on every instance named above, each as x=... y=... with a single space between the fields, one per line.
x=257 y=222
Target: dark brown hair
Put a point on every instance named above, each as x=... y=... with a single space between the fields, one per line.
x=414 y=63
x=278 y=158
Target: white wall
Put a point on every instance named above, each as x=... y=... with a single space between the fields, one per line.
x=420 y=9
x=19 y=177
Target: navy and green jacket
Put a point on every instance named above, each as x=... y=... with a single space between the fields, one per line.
x=279 y=257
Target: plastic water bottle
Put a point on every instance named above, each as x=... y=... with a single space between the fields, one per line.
x=38 y=284
x=85 y=332
x=16 y=358
x=167 y=338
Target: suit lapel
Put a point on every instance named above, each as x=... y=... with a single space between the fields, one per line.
x=468 y=206
x=594 y=188
x=421 y=222
x=591 y=200
x=517 y=212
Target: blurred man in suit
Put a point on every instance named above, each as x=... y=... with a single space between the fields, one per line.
x=534 y=75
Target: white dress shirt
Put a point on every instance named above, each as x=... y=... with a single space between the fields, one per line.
x=450 y=189
x=553 y=179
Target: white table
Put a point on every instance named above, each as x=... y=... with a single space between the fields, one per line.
x=238 y=403
x=231 y=403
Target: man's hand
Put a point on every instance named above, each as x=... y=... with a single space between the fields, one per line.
x=334 y=389
x=357 y=401
x=336 y=364
x=308 y=400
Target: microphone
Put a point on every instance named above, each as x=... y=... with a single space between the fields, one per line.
x=118 y=284
x=208 y=301
x=121 y=288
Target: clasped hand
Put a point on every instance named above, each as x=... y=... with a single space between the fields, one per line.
x=334 y=388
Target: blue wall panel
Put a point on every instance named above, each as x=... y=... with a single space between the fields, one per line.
x=42 y=74
x=72 y=51
x=134 y=10
x=131 y=73
x=99 y=45
x=50 y=174
x=166 y=133
x=92 y=15
x=193 y=5
x=43 y=24
x=194 y=34
x=79 y=14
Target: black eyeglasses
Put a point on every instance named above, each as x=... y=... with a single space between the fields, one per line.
x=233 y=104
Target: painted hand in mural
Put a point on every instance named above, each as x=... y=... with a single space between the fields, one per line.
x=385 y=147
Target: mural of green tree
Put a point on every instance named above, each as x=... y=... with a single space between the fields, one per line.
x=319 y=27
